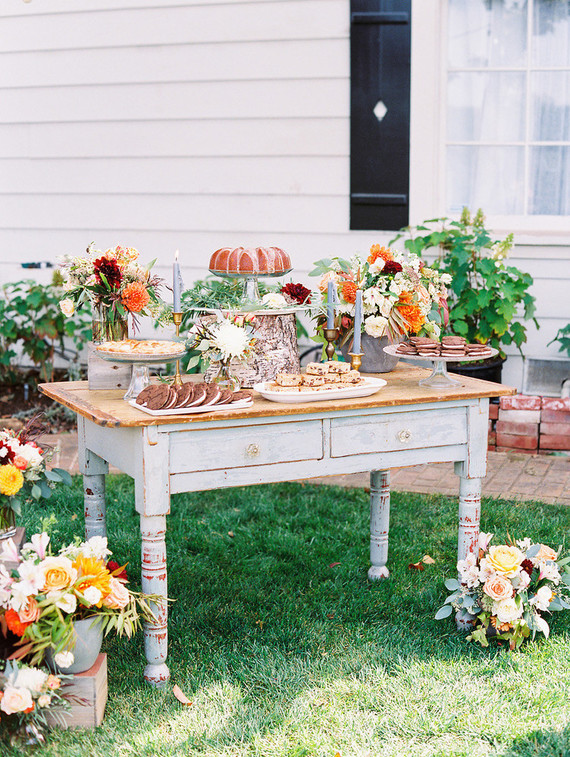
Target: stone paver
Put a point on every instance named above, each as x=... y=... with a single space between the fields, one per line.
x=510 y=475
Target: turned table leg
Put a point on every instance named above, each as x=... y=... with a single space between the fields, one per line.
x=94 y=470
x=153 y=575
x=379 y=523
x=469 y=515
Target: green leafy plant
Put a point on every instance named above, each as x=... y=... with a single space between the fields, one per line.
x=485 y=295
x=32 y=324
x=563 y=337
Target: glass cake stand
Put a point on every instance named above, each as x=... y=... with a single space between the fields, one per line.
x=140 y=377
x=439 y=378
x=250 y=288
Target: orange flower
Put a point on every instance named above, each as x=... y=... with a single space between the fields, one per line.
x=92 y=572
x=414 y=316
x=135 y=297
x=379 y=252
x=348 y=289
x=14 y=623
x=29 y=612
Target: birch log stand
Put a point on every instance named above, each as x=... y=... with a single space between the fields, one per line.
x=276 y=351
x=403 y=424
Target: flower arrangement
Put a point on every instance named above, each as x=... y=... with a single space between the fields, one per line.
x=400 y=294
x=113 y=281
x=23 y=473
x=504 y=590
x=223 y=338
x=26 y=695
x=47 y=592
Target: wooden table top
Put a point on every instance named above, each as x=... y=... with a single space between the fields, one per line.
x=107 y=407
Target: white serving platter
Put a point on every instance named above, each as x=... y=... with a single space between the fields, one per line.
x=239 y=405
x=370 y=386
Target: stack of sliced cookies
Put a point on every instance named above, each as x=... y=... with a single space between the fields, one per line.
x=318 y=377
x=165 y=397
x=450 y=347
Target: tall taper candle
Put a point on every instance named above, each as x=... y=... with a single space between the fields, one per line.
x=331 y=299
x=357 y=321
x=176 y=284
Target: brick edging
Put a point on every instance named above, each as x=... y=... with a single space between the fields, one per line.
x=530 y=424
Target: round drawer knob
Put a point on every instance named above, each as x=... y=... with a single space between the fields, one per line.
x=405 y=435
x=252 y=450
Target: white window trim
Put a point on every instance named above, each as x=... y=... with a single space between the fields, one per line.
x=428 y=129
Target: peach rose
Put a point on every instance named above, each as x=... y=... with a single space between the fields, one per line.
x=20 y=462
x=16 y=699
x=53 y=682
x=545 y=553
x=498 y=587
x=29 y=612
x=59 y=573
x=118 y=597
x=505 y=560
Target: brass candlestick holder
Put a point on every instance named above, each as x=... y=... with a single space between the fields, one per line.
x=331 y=335
x=356 y=360
x=177 y=318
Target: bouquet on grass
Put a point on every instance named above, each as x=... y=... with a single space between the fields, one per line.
x=47 y=593
x=400 y=294
x=23 y=473
x=505 y=590
x=115 y=284
x=221 y=338
x=27 y=694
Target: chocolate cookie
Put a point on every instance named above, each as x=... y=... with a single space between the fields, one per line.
x=198 y=395
x=243 y=394
x=213 y=393
x=225 y=397
x=157 y=396
x=184 y=393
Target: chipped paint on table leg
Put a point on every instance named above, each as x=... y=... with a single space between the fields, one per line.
x=379 y=523
x=154 y=581
x=469 y=515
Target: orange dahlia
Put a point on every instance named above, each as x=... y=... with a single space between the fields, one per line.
x=135 y=297
x=379 y=252
x=92 y=572
x=348 y=289
x=414 y=316
x=14 y=623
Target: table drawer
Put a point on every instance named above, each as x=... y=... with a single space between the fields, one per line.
x=398 y=431
x=221 y=448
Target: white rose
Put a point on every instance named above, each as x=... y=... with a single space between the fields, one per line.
x=67 y=603
x=15 y=700
x=375 y=325
x=96 y=547
x=445 y=278
x=543 y=598
x=64 y=659
x=274 y=300
x=92 y=595
x=507 y=610
x=31 y=678
x=67 y=307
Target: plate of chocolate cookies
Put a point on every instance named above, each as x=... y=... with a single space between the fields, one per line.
x=450 y=349
x=320 y=381
x=189 y=398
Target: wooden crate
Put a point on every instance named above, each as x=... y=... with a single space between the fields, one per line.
x=19 y=539
x=91 y=688
x=102 y=374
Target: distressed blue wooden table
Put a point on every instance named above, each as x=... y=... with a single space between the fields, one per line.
x=403 y=424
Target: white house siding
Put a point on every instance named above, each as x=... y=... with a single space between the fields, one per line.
x=180 y=124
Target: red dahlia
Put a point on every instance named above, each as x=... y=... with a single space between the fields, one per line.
x=297 y=293
x=110 y=270
x=392 y=266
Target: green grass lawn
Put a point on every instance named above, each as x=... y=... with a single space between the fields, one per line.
x=285 y=655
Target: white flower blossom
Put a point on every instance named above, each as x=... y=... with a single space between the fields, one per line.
x=274 y=300
x=507 y=610
x=375 y=325
x=542 y=598
x=30 y=678
x=92 y=595
x=64 y=659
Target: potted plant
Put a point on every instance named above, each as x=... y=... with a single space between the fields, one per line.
x=485 y=294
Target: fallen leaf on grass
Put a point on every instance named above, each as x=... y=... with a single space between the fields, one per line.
x=260 y=624
x=74 y=516
x=231 y=534
x=416 y=566
x=179 y=694
x=330 y=615
x=334 y=564
x=428 y=560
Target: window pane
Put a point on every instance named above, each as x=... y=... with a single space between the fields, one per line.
x=491 y=178
x=550 y=102
x=550 y=181
x=487 y=107
x=487 y=33
x=551 y=33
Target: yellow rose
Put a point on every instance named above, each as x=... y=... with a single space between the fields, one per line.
x=545 y=553
x=498 y=587
x=58 y=572
x=11 y=480
x=505 y=560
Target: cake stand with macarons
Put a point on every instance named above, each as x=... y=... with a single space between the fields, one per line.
x=451 y=349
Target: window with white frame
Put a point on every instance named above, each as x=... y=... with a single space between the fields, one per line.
x=507 y=144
